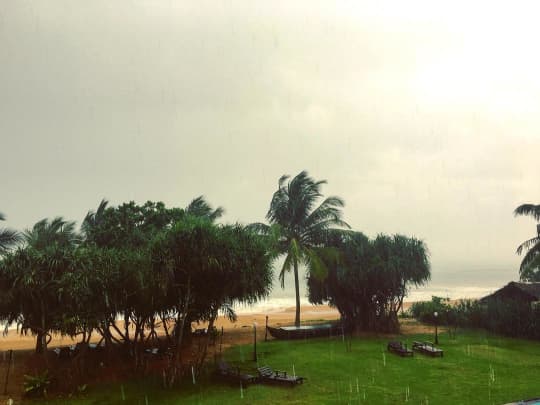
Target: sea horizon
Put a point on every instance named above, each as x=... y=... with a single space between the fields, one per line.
x=279 y=302
x=459 y=282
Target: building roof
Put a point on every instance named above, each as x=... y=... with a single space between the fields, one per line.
x=530 y=291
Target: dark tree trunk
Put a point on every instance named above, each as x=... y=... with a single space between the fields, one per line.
x=39 y=342
x=126 y=326
x=165 y=328
x=122 y=336
x=175 y=366
x=297 y=290
x=204 y=351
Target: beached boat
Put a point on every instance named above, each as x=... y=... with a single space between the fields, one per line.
x=306 y=331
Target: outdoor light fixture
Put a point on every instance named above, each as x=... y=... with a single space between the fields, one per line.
x=254 y=341
x=436 y=314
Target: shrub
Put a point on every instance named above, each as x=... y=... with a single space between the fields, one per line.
x=508 y=317
x=424 y=311
x=36 y=386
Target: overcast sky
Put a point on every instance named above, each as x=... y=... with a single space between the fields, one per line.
x=424 y=117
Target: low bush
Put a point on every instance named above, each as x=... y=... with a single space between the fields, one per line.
x=508 y=317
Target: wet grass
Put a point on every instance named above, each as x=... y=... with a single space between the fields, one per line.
x=477 y=368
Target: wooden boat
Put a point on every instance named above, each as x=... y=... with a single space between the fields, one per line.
x=534 y=401
x=306 y=331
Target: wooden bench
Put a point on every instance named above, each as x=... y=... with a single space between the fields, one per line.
x=399 y=348
x=266 y=374
x=224 y=370
x=427 y=348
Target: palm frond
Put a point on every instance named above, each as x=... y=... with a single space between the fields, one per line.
x=531 y=255
x=287 y=266
x=282 y=180
x=329 y=210
x=292 y=203
x=527 y=244
x=259 y=228
x=199 y=207
x=57 y=231
x=228 y=310
x=92 y=220
x=531 y=272
x=8 y=238
x=296 y=250
x=528 y=209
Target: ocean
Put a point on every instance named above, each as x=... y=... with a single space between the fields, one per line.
x=465 y=282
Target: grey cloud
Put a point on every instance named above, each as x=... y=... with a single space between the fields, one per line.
x=169 y=100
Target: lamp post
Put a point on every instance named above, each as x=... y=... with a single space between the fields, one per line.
x=254 y=341
x=436 y=314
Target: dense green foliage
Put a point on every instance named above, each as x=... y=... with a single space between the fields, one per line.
x=509 y=317
x=477 y=368
x=367 y=285
x=529 y=269
x=446 y=313
x=33 y=279
x=131 y=262
x=299 y=230
x=205 y=268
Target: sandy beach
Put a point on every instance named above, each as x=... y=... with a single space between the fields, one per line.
x=15 y=341
x=243 y=325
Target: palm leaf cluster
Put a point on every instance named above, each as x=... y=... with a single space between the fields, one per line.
x=8 y=237
x=530 y=264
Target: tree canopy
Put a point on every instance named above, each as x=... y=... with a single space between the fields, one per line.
x=147 y=264
x=367 y=285
x=33 y=278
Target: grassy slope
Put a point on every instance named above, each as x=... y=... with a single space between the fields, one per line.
x=476 y=369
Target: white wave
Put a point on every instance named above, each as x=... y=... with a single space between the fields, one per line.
x=278 y=304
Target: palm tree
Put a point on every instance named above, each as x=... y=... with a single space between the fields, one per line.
x=8 y=237
x=529 y=269
x=199 y=207
x=57 y=232
x=299 y=230
x=93 y=219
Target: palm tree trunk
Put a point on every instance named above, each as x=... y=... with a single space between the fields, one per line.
x=43 y=329
x=297 y=290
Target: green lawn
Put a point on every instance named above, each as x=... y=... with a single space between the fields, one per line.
x=477 y=368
